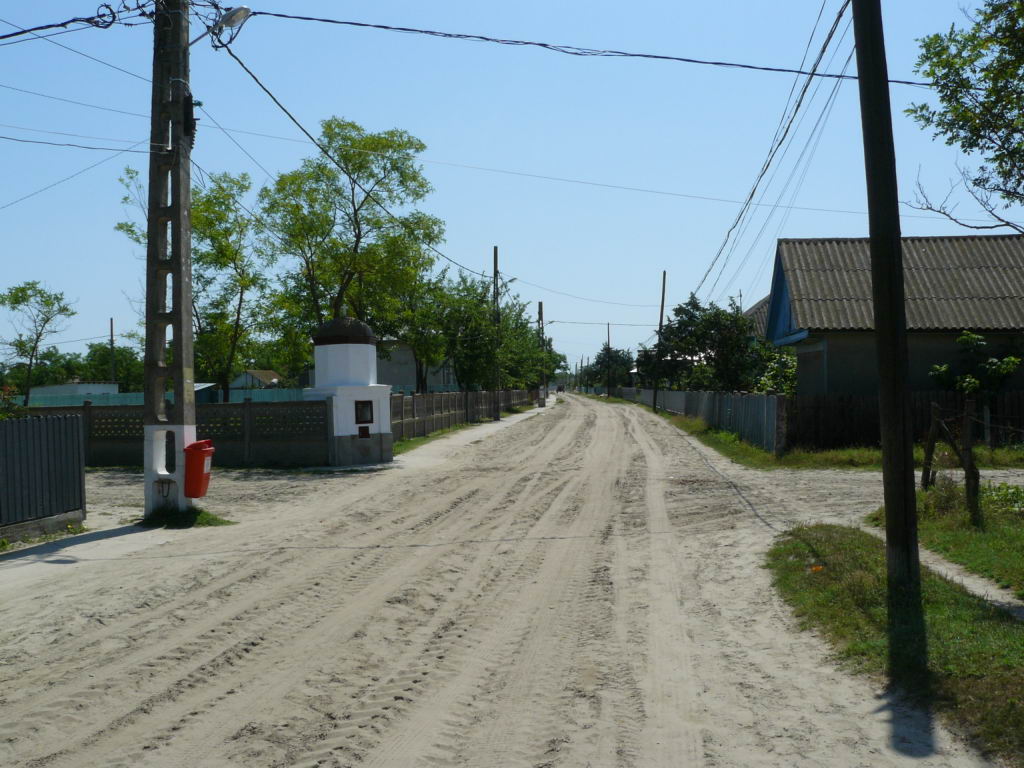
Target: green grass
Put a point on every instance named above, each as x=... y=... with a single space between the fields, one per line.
x=409 y=443
x=193 y=517
x=71 y=529
x=996 y=552
x=834 y=579
x=865 y=458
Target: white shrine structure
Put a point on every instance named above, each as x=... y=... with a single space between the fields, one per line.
x=345 y=374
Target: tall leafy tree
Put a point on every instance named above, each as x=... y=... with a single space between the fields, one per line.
x=229 y=273
x=345 y=228
x=710 y=348
x=37 y=314
x=229 y=278
x=978 y=76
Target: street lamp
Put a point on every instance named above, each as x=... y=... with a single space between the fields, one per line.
x=232 y=17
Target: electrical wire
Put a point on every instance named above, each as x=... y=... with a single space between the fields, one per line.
x=585 y=322
x=775 y=146
x=65 y=133
x=334 y=160
x=105 y=17
x=573 y=50
x=806 y=153
x=80 y=53
x=524 y=174
x=68 y=178
x=119 y=150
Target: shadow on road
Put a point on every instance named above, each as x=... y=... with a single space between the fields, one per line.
x=43 y=552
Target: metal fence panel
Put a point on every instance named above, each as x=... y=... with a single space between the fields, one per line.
x=751 y=416
x=42 y=467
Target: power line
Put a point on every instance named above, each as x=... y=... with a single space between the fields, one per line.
x=573 y=50
x=776 y=145
x=584 y=298
x=80 y=53
x=103 y=20
x=68 y=178
x=334 y=160
x=524 y=174
x=811 y=143
x=585 y=322
x=119 y=150
x=73 y=101
x=269 y=175
x=65 y=133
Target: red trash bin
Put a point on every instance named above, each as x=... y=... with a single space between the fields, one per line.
x=198 y=460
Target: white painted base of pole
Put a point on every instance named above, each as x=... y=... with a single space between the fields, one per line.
x=164 y=488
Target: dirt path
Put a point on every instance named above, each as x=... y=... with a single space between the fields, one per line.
x=580 y=588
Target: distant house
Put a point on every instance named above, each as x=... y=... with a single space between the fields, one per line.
x=396 y=366
x=257 y=380
x=78 y=388
x=820 y=305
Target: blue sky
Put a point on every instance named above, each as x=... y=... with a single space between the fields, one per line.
x=672 y=127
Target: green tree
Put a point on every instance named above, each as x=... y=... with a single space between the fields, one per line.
x=37 y=314
x=229 y=279
x=611 y=365
x=467 y=323
x=978 y=77
x=128 y=368
x=710 y=348
x=329 y=225
x=979 y=372
x=229 y=273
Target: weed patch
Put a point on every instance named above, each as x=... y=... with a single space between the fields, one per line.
x=834 y=579
x=193 y=517
x=943 y=524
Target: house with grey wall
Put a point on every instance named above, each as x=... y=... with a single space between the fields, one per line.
x=821 y=306
x=396 y=365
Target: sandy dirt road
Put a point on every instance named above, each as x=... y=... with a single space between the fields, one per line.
x=582 y=587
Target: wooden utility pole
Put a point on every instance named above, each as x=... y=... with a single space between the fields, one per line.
x=113 y=363
x=544 y=350
x=168 y=358
x=907 y=644
x=497 y=342
x=657 y=348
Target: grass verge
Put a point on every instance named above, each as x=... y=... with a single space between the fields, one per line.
x=71 y=529
x=409 y=443
x=834 y=578
x=193 y=517
x=995 y=552
x=866 y=458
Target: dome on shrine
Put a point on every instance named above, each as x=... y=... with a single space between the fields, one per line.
x=343 y=330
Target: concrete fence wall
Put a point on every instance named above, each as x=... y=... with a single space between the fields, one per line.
x=42 y=469
x=272 y=434
x=419 y=415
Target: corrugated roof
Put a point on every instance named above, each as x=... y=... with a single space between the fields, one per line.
x=952 y=283
x=758 y=314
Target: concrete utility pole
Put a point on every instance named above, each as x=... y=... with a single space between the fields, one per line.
x=168 y=361
x=497 y=342
x=657 y=348
x=544 y=349
x=608 y=365
x=113 y=363
x=907 y=643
